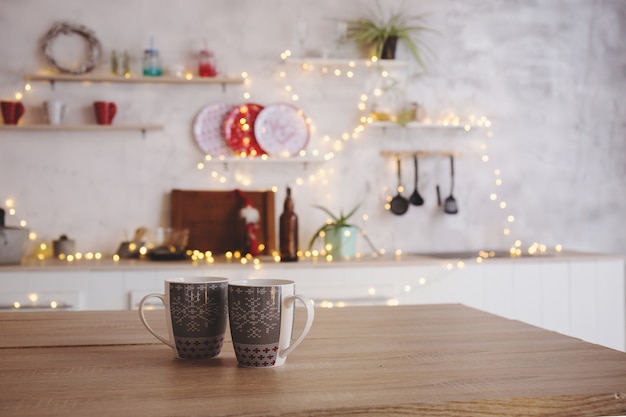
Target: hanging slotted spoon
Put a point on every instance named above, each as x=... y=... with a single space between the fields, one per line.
x=450 y=206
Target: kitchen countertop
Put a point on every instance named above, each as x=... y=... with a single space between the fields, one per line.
x=467 y=258
x=444 y=360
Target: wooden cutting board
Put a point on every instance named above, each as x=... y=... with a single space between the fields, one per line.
x=214 y=221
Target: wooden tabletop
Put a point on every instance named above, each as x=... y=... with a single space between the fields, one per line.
x=444 y=360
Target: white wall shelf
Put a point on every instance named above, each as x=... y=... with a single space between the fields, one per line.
x=52 y=78
x=403 y=153
x=143 y=128
x=421 y=125
x=233 y=160
x=345 y=62
x=43 y=127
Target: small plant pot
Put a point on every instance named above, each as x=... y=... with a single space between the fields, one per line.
x=63 y=247
x=342 y=241
x=389 y=48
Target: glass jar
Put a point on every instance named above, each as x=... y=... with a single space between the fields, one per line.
x=114 y=63
x=206 y=64
x=152 y=63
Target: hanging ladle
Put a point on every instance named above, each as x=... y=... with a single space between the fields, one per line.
x=416 y=199
x=449 y=206
x=399 y=204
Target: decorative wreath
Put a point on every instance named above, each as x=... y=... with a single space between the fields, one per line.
x=69 y=29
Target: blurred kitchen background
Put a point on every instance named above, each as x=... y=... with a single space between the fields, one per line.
x=541 y=84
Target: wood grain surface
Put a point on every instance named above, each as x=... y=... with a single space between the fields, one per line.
x=441 y=360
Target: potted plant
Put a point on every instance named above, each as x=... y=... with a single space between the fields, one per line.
x=381 y=34
x=339 y=235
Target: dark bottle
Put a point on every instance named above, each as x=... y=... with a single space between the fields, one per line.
x=288 y=231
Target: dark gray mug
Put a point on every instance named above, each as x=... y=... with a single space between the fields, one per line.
x=196 y=312
x=261 y=313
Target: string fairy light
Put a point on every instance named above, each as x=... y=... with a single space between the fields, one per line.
x=345 y=70
x=365 y=120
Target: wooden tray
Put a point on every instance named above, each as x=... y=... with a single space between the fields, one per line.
x=213 y=219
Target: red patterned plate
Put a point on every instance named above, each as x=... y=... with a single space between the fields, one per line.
x=281 y=130
x=207 y=129
x=239 y=129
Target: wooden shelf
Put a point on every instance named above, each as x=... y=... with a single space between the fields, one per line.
x=260 y=159
x=421 y=125
x=346 y=62
x=77 y=128
x=402 y=153
x=52 y=78
x=228 y=160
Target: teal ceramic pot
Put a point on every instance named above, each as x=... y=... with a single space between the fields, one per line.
x=342 y=240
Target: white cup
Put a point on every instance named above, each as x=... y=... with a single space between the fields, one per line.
x=53 y=111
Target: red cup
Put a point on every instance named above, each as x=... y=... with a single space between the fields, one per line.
x=12 y=111
x=105 y=112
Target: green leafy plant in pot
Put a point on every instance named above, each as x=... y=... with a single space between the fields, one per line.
x=381 y=34
x=339 y=235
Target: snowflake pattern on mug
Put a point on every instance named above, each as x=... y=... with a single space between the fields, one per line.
x=197 y=310
x=255 y=314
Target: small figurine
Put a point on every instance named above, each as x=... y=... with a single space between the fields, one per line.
x=251 y=217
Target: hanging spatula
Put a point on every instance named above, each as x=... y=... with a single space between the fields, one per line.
x=450 y=206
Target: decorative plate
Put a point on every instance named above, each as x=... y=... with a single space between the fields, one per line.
x=207 y=129
x=239 y=129
x=281 y=130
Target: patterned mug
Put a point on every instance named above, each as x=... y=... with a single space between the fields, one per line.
x=261 y=313
x=196 y=311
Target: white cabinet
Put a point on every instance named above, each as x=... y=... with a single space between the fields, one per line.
x=105 y=290
x=610 y=291
x=498 y=290
x=30 y=290
x=581 y=296
x=555 y=297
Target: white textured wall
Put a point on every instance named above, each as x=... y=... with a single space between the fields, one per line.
x=550 y=76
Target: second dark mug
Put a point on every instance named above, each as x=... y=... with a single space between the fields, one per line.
x=105 y=112
x=261 y=315
x=12 y=111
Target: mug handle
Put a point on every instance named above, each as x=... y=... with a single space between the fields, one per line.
x=112 y=110
x=19 y=110
x=145 y=322
x=310 y=314
x=44 y=106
